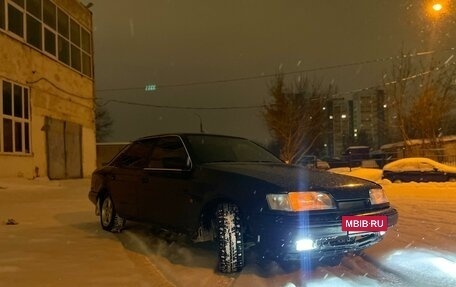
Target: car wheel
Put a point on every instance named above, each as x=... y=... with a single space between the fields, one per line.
x=109 y=218
x=229 y=236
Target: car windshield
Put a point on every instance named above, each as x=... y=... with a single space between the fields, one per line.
x=208 y=149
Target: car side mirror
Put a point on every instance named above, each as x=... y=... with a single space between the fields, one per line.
x=175 y=163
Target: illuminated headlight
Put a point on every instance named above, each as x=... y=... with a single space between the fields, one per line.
x=304 y=244
x=300 y=201
x=377 y=196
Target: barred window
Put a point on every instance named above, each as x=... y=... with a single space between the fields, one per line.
x=15 y=118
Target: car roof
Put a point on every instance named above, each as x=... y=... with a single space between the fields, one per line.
x=185 y=135
x=403 y=161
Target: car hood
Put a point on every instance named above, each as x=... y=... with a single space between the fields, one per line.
x=295 y=178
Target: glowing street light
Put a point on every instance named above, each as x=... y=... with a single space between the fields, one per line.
x=437 y=7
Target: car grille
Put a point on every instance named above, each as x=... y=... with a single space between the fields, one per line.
x=359 y=240
x=353 y=204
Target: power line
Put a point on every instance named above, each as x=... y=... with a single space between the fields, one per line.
x=336 y=95
x=60 y=89
x=182 y=107
x=247 y=78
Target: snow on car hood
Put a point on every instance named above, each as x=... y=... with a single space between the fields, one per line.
x=296 y=178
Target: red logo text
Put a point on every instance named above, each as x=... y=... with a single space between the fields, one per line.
x=364 y=223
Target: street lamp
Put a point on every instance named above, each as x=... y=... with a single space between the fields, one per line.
x=437 y=7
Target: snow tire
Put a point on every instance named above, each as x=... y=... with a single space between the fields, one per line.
x=109 y=219
x=229 y=236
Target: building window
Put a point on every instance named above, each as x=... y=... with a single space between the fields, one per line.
x=49 y=14
x=15 y=20
x=34 y=29
x=2 y=14
x=62 y=23
x=19 y=2
x=15 y=118
x=34 y=8
x=86 y=52
x=49 y=41
x=48 y=28
x=75 y=57
x=64 y=50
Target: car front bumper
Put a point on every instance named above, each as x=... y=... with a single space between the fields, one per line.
x=93 y=196
x=291 y=238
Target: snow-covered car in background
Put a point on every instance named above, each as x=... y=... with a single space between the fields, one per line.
x=418 y=169
x=236 y=193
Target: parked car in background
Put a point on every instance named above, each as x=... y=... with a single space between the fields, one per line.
x=354 y=155
x=418 y=169
x=313 y=161
x=234 y=192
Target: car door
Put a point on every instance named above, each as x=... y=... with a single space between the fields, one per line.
x=125 y=179
x=431 y=173
x=164 y=195
x=409 y=171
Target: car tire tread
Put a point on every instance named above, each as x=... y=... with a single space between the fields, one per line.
x=229 y=236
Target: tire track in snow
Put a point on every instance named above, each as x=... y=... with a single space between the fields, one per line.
x=178 y=264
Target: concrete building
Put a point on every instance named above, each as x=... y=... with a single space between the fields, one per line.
x=339 y=126
x=47 y=125
x=360 y=119
x=369 y=113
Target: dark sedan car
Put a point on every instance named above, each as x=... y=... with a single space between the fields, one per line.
x=232 y=191
x=418 y=169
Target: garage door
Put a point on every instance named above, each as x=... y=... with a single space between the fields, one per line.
x=64 y=152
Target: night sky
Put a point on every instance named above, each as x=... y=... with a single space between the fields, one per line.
x=175 y=42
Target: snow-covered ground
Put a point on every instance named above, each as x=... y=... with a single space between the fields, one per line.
x=419 y=251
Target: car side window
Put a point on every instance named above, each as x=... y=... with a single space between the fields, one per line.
x=135 y=156
x=169 y=153
x=409 y=166
x=424 y=166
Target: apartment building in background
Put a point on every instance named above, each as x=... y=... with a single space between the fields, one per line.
x=361 y=119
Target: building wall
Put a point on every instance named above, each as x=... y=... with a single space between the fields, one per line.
x=56 y=91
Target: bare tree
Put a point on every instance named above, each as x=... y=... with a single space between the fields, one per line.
x=421 y=100
x=103 y=122
x=296 y=115
x=398 y=96
x=431 y=110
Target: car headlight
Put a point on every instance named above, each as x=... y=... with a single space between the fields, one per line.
x=377 y=196
x=300 y=201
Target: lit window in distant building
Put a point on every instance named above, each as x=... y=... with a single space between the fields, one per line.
x=343 y=116
x=15 y=118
